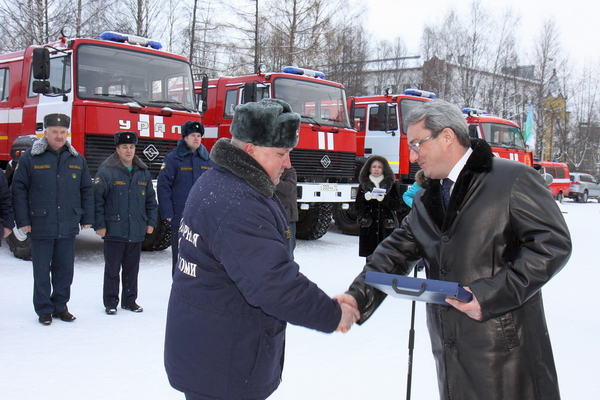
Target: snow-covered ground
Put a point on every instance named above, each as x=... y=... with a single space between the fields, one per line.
x=120 y=357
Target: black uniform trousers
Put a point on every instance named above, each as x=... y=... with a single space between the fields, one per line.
x=53 y=264
x=117 y=255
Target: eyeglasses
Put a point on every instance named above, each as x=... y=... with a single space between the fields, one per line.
x=416 y=147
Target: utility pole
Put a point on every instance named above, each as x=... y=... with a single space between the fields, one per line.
x=256 y=46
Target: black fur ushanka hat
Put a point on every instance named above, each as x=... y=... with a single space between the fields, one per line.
x=57 y=120
x=266 y=123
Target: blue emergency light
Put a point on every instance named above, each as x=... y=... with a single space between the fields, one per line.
x=303 y=71
x=420 y=93
x=131 y=39
x=473 y=111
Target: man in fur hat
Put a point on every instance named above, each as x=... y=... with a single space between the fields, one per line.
x=126 y=210
x=236 y=285
x=178 y=173
x=52 y=199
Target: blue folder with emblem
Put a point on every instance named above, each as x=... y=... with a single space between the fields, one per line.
x=428 y=290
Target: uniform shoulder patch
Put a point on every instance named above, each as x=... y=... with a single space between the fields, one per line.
x=163 y=166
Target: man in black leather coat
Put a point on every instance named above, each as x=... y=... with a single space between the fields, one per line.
x=502 y=236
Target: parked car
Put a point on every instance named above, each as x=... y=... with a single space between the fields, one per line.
x=583 y=187
x=561 y=183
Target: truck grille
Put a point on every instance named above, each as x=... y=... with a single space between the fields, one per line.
x=323 y=166
x=99 y=147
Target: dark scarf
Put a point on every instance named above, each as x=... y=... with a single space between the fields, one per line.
x=114 y=161
x=242 y=165
x=183 y=150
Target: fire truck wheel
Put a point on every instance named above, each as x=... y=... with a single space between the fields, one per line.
x=160 y=239
x=345 y=220
x=19 y=244
x=313 y=223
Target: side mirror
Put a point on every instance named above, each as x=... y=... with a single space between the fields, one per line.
x=204 y=94
x=249 y=92
x=548 y=179
x=42 y=87
x=40 y=63
x=382 y=114
x=473 y=132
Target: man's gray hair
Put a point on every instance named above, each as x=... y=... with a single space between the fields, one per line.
x=438 y=115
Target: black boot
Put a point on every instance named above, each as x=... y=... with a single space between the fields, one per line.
x=64 y=316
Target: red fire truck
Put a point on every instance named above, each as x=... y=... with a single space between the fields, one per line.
x=561 y=182
x=380 y=130
x=503 y=135
x=324 y=158
x=120 y=82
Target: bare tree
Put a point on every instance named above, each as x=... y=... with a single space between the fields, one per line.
x=583 y=148
x=547 y=52
x=464 y=44
x=85 y=18
x=298 y=29
x=246 y=41
x=138 y=17
x=172 y=15
x=24 y=23
x=345 y=62
x=500 y=95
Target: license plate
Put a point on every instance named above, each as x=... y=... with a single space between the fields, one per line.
x=328 y=187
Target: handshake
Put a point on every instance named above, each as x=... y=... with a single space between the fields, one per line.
x=378 y=193
x=350 y=313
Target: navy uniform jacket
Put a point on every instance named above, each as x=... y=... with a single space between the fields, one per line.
x=125 y=201
x=180 y=169
x=236 y=285
x=52 y=192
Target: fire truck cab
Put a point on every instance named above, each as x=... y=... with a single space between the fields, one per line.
x=560 y=174
x=115 y=83
x=380 y=127
x=325 y=155
x=503 y=135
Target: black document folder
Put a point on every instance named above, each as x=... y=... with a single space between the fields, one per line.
x=428 y=290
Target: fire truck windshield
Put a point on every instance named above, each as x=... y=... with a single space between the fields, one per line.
x=502 y=135
x=319 y=103
x=108 y=73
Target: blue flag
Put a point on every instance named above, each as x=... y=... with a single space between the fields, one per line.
x=529 y=130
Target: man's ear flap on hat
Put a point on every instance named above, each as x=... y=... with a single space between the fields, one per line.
x=288 y=126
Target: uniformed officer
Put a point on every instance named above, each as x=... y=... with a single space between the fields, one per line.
x=52 y=197
x=126 y=210
x=180 y=169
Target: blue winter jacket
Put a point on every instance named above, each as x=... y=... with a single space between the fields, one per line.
x=125 y=201
x=236 y=285
x=180 y=169
x=410 y=193
x=52 y=192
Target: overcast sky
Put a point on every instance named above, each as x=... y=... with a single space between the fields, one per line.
x=577 y=21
